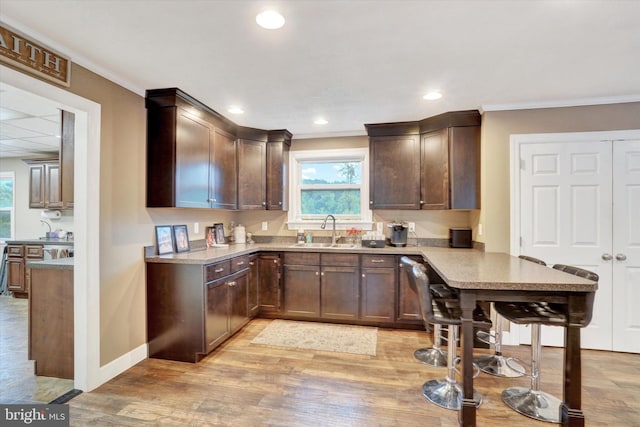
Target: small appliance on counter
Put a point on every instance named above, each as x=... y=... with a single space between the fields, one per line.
x=460 y=238
x=397 y=234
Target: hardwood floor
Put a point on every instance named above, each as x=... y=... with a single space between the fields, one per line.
x=243 y=384
x=18 y=382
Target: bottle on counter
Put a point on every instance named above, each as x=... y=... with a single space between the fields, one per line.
x=239 y=234
x=300 y=236
x=309 y=238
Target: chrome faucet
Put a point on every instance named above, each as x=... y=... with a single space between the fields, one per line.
x=48 y=225
x=333 y=232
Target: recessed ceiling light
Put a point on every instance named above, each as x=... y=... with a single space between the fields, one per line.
x=320 y=121
x=270 y=19
x=235 y=110
x=433 y=95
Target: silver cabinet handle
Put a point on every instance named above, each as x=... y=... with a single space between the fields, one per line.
x=231 y=283
x=377 y=261
x=240 y=263
x=607 y=257
x=621 y=257
x=218 y=270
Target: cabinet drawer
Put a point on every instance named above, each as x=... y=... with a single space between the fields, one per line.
x=217 y=270
x=34 y=252
x=15 y=250
x=378 y=261
x=340 y=260
x=302 y=258
x=239 y=263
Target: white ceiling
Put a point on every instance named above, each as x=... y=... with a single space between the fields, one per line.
x=352 y=62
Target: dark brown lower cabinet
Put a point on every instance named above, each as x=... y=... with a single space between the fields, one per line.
x=270 y=283
x=408 y=303
x=187 y=317
x=339 y=293
x=378 y=288
x=252 y=286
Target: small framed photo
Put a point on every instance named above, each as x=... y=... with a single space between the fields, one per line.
x=218 y=233
x=164 y=239
x=181 y=238
x=209 y=236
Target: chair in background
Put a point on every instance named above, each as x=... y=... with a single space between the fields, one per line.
x=533 y=402
x=496 y=364
x=446 y=392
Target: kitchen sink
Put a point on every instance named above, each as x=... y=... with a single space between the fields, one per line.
x=325 y=245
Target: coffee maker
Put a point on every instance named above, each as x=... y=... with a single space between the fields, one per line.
x=397 y=234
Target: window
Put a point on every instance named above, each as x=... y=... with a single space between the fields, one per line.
x=330 y=182
x=7 y=202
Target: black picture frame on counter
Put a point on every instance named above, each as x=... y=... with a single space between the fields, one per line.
x=181 y=238
x=164 y=239
x=218 y=233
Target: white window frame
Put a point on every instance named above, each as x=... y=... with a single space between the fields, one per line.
x=297 y=159
x=12 y=209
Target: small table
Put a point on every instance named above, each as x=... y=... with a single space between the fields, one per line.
x=488 y=276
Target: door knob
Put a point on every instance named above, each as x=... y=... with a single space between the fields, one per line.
x=621 y=257
x=607 y=257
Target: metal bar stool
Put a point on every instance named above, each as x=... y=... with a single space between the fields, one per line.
x=533 y=402
x=496 y=364
x=434 y=356
x=446 y=392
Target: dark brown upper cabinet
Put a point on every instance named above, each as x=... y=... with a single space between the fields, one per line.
x=197 y=158
x=430 y=164
x=278 y=147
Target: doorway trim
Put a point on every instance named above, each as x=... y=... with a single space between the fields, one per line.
x=516 y=141
x=86 y=283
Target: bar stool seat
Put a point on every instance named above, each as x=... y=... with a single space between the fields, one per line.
x=436 y=310
x=533 y=402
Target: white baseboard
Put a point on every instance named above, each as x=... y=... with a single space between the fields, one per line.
x=122 y=363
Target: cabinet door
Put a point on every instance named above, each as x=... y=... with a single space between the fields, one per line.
x=339 y=292
x=394 y=172
x=67 y=149
x=191 y=168
x=223 y=171
x=36 y=186
x=377 y=294
x=464 y=161
x=217 y=314
x=252 y=287
x=277 y=175
x=434 y=180
x=53 y=197
x=252 y=175
x=269 y=283
x=15 y=274
x=302 y=290
x=408 y=303
x=238 y=314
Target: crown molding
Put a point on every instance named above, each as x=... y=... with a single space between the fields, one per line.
x=578 y=102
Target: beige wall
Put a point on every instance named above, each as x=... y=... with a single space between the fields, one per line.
x=497 y=127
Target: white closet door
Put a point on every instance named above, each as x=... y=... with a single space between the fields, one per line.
x=566 y=218
x=626 y=246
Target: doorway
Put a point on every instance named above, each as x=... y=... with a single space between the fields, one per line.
x=86 y=222
x=576 y=200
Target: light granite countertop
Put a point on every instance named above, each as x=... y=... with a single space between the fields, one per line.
x=460 y=268
x=52 y=264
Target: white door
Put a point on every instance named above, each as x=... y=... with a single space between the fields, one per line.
x=566 y=218
x=626 y=246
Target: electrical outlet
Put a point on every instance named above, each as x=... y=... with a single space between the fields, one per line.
x=196 y=228
x=480 y=229
x=412 y=227
x=265 y=225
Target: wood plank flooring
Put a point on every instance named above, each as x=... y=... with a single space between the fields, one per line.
x=18 y=383
x=243 y=384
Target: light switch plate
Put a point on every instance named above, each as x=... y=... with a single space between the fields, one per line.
x=412 y=227
x=265 y=225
